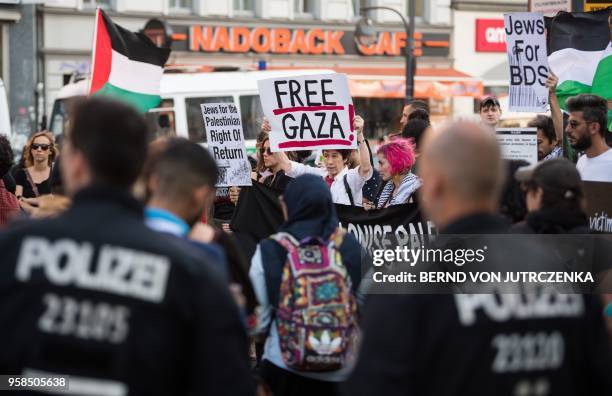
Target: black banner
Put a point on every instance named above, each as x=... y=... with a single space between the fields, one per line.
x=258 y=215
x=599 y=205
x=400 y=225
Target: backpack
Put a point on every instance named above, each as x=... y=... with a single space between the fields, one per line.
x=317 y=312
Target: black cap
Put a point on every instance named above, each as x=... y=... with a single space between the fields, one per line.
x=557 y=174
x=489 y=101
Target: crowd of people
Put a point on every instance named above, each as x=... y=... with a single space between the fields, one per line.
x=119 y=267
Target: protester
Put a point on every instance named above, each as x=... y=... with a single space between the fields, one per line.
x=490 y=113
x=345 y=184
x=177 y=204
x=555 y=199
x=34 y=179
x=550 y=129
x=396 y=159
x=512 y=202
x=586 y=131
x=96 y=295
x=415 y=130
x=411 y=107
x=419 y=114
x=272 y=174
x=9 y=204
x=311 y=225
x=472 y=344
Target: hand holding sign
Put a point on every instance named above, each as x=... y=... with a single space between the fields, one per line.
x=551 y=82
x=309 y=112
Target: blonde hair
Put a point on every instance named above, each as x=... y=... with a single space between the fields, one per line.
x=53 y=152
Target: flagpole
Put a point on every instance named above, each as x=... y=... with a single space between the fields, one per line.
x=93 y=51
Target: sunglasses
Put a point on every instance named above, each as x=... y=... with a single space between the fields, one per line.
x=43 y=147
x=265 y=150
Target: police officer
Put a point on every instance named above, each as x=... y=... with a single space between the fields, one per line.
x=532 y=343
x=97 y=295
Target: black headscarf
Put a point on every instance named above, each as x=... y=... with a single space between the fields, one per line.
x=310 y=212
x=310 y=209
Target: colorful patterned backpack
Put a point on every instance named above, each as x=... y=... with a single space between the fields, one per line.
x=317 y=312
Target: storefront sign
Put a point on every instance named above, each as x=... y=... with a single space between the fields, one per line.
x=490 y=35
x=304 y=41
x=528 y=61
x=309 y=112
x=518 y=144
x=550 y=7
x=596 y=5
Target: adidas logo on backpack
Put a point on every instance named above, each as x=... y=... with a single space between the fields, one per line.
x=316 y=315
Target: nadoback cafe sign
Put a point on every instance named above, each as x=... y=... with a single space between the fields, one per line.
x=300 y=41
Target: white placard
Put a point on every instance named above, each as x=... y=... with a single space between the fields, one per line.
x=526 y=47
x=550 y=7
x=518 y=144
x=225 y=142
x=309 y=112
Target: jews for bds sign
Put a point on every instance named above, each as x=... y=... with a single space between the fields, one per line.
x=309 y=112
x=526 y=46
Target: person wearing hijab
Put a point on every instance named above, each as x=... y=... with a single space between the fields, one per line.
x=309 y=212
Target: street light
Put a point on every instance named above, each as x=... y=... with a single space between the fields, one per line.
x=365 y=34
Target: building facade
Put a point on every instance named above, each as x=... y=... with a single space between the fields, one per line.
x=277 y=34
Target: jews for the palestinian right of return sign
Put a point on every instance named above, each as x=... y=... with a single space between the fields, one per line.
x=226 y=143
x=309 y=112
x=526 y=47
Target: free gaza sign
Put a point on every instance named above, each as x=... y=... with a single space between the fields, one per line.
x=309 y=112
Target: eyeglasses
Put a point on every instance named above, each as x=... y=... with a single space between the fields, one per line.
x=575 y=124
x=43 y=147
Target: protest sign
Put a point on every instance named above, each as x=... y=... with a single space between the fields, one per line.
x=599 y=205
x=526 y=47
x=226 y=143
x=518 y=144
x=550 y=8
x=309 y=112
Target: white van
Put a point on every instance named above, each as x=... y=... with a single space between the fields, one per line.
x=5 y=116
x=182 y=93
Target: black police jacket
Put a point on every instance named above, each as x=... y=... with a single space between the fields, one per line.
x=96 y=295
x=542 y=343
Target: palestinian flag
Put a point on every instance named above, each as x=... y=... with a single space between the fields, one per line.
x=580 y=54
x=126 y=65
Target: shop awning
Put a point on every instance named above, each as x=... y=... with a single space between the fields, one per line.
x=435 y=83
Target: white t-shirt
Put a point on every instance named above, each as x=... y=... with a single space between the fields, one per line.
x=597 y=168
x=337 y=189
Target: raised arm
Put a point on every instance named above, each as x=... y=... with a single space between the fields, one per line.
x=365 y=164
x=555 y=109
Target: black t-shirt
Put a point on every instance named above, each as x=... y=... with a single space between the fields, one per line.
x=21 y=179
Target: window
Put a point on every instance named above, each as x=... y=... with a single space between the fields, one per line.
x=251 y=114
x=303 y=7
x=97 y=3
x=195 y=123
x=243 y=5
x=181 y=5
x=161 y=120
x=419 y=5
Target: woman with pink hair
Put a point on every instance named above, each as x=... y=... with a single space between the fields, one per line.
x=395 y=163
